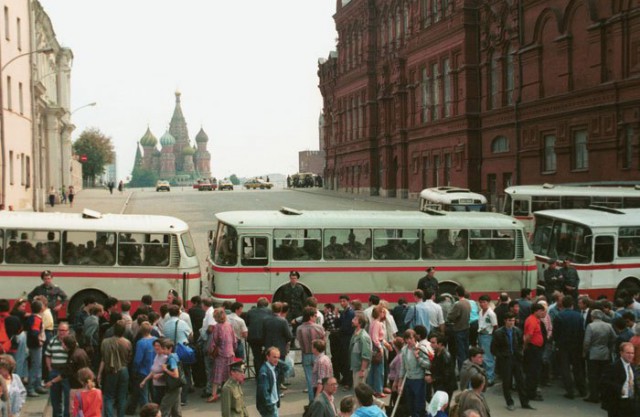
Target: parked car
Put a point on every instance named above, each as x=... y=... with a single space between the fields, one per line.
x=162 y=185
x=205 y=185
x=225 y=185
x=256 y=183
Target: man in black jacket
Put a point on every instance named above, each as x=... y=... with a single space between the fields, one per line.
x=506 y=346
x=621 y=385
x=255 y=336
x=443 y=366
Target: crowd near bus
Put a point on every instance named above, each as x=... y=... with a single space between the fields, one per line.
x=429 y=354
x=523 y=201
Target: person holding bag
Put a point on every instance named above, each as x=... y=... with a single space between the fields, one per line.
x=222 y=348
x=87 y=402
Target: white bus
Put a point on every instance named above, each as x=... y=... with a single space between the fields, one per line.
x=123 y=256
x=522 y=201
x=364 y=252
x=603 y=244
x=451 y=199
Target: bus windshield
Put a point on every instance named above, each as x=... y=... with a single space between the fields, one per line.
x=562 y=239
x=224 y=250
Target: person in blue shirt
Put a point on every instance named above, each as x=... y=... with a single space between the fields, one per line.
x=142 y=361
x=364 y=395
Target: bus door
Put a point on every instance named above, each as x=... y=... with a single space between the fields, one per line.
x=603 y=255
x=255 y=267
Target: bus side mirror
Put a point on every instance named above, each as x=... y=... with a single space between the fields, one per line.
x=210 y=237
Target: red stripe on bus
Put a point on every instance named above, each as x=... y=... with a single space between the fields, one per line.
x=334 y=297
x=595 y=267
x=66 y=274
x=246 y=270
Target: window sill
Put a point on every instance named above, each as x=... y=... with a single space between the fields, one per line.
x=549 y=172
x=580 y=170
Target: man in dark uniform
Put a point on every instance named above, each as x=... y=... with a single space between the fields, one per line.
x=51 y=291
x=552 y=279
x=294 y=295
x=570 y=278
x=429 y=282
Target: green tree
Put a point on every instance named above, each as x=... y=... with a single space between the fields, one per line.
x=98 y=149
x=234 y=179
x=141 y=177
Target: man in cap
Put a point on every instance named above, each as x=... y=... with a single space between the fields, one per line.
x=571 y=280
x=232 y=394
x=429 y=282
x=552 y=279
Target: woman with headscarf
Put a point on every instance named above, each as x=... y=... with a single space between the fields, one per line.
x=438 y=405
x=222 y=348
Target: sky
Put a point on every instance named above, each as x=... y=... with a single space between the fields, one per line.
x=247 y=72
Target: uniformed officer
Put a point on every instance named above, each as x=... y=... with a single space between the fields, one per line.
x=553 y=279
x=51 y=291
x=429 y=282
x=570 y=279
x=232 y=394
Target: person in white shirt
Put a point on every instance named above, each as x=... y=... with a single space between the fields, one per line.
x=239 y=328
x=436 y=315
x=487 y=324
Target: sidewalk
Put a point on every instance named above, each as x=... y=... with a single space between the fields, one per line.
x=404 y=202
x=97 y=199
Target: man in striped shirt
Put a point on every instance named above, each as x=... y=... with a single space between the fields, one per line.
x=306 y=333
x=55 y=359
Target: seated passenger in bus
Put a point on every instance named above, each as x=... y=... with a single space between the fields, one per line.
x=460 y=249
x=442 y=245
x=286 y=250
x=333 y=250
x=481 y=249
x=43 y=255
x=54 y=246
x=505 y=249
x=352 y=248
x=626 y=248
x=429 y=253
x=100 y=255
x=313 y=248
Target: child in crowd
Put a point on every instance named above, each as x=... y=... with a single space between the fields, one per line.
x=88 y=400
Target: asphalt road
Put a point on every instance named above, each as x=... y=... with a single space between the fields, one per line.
x=198 y=209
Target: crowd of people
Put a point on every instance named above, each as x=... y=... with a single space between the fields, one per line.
x=434 y=356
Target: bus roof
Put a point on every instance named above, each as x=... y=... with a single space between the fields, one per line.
x=447 y=194
x=568 y=190
x=596 y=217
x=366 y=219
x=105 y=222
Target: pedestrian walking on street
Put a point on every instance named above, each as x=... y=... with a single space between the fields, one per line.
x=52 y=196
x=71 y=195
x=121 y=186
x=63 y=194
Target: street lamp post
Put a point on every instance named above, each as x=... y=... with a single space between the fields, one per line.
x=82 y=107
x=2 y=144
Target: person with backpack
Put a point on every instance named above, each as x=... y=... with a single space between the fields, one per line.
x=87 y=402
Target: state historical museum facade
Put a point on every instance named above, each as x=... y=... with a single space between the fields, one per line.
x=481 y=94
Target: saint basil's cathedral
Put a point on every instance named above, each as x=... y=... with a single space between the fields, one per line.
x=176 y=160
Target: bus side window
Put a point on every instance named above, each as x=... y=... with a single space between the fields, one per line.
x=520 y=207
x=396 y=244
x=155 y=251
x=129 y=253
x=254 y=251
x=350 y=244
x=603 y=251
x=34 y=247
x=629 y=242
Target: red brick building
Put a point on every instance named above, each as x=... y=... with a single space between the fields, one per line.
x=481 y=94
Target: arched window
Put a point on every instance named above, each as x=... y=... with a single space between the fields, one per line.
x=499 y=145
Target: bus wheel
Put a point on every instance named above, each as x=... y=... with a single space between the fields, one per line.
x=448 y=288
x=630 y=285
x=77 y=302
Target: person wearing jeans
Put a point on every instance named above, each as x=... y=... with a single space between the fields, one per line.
x=415 y=364
x=116 y=351
x=35 y=340
x=306 y=333
x=487 y=324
